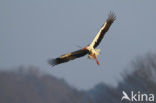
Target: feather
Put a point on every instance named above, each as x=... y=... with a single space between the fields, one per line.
x=68 y=57
x=96 y=41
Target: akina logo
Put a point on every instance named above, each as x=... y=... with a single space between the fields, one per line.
x=140 y=97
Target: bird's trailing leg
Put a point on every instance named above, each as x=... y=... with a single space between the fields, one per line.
x=95 y=57
x=97 y=62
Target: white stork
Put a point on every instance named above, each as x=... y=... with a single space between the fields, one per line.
x=90 y=49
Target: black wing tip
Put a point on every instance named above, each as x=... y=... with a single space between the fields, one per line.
x=52 y=62
x=111 y=17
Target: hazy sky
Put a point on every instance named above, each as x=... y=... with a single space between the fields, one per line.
x=33 y=31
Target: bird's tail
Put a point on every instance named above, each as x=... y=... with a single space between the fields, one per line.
x=97 y=51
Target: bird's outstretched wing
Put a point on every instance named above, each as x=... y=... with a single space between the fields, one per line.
x=99 y=36
x=67 y=57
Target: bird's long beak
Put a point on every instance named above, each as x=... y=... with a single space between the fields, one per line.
x=97 y=62
x=85 y=48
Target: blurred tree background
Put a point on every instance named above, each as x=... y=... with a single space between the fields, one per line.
x=29 y=85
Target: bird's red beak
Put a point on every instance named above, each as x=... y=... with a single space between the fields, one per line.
x=85 y=48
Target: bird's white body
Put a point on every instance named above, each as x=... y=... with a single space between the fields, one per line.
x=93 y=53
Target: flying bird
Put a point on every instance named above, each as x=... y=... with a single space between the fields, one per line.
x=90 y=49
